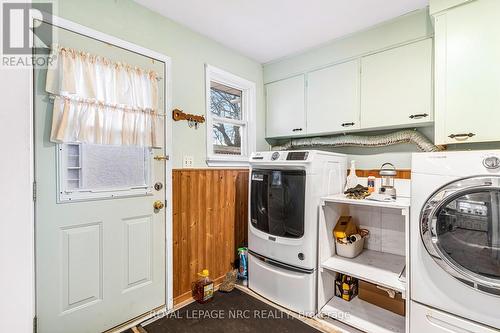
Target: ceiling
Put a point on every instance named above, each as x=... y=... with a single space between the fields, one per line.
x=265 y=30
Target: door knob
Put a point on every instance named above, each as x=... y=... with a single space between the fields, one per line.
x=158 y=204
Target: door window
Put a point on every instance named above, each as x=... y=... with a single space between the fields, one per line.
x=460 y=227
x=88 y=171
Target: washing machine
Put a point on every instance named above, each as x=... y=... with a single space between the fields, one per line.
x=285 y=190
x=455 y=242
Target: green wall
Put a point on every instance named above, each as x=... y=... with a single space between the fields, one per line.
x=189 y=52
x=410 y=27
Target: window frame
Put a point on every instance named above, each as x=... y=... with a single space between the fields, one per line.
x=247 y=122
x=64 y=195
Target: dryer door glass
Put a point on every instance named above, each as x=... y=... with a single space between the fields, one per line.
x=277 y=202
x=460 y=227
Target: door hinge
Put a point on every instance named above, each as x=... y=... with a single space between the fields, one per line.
x=34 y=191
x=35 y=324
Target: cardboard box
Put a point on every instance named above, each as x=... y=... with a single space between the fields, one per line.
x=371 y=293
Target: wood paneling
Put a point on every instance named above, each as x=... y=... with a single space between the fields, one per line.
x=210 y=216
x=401 y=174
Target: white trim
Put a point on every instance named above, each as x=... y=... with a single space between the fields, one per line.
x=247 y=123
x=75 y=27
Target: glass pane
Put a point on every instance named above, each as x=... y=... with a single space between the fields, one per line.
x=225 y=101
x=279 y=197
x=73 y=161
x=73 y=184
x=73 y=174
x=73 y=149
x=227 y=139
x=468 y=229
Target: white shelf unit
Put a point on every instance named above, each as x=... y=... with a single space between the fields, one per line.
x=400 y=203
x=364 y=316
x=384 y=261
x=384 y=269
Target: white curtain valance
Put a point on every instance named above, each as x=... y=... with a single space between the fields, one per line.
x=101 y=101
x=77 y=121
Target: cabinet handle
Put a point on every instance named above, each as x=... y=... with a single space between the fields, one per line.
x=297 y=130
x=347 y=124
x=461 y=136
x=419 y=116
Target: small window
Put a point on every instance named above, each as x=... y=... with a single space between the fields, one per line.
x=88 y=171
x=230 y=118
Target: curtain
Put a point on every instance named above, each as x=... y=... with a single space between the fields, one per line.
x=100 y=101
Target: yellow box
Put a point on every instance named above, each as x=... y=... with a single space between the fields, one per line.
x=345 y=227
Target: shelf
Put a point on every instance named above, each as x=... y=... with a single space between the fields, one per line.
x=400 y=203
x=364 y=316
x=376 y=267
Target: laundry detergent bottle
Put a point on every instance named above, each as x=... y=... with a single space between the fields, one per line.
x=203 y=288
x=243 y=269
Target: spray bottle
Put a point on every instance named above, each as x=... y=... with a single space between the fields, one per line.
x=352 y=179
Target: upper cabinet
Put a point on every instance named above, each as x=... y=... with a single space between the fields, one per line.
x=396 y=87
x=389 y=89
x=285 y=105
x=467 y=77
x=333 y=99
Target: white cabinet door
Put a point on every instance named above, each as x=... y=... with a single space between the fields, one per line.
x=396 y=86
x=333 y=99
x=468 y=73
x=285 y=102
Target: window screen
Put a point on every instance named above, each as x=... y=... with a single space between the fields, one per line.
x=105 y=169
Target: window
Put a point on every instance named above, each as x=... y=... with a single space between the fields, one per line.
x=89 y=171
x=230 y=118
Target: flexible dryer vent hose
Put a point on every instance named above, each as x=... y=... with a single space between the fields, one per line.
x=404 y=136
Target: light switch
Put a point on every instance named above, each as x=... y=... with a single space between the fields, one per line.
x=187 y=161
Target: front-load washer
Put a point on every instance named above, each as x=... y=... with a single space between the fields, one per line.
x=285 y=189
x=455 y=242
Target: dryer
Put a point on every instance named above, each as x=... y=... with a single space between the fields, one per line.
x=285 y=189
x=455 y=242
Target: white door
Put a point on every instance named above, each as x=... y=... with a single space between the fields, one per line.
x=396 y=86
x=285 y=108
x=468 y=73
x=100 y=244
x=333 y=99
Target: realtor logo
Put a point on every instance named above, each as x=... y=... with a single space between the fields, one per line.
x=24 y=35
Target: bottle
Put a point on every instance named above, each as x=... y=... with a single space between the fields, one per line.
x=371 y=184
x=243 y=270
x=352 y=179
x=203 y=288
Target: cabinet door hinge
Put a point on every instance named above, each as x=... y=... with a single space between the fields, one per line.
x=35 y=324
x=34 y=191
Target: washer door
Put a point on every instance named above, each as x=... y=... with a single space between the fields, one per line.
x=460 y=228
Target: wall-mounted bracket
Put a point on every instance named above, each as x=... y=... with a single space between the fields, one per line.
x=192 y=119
